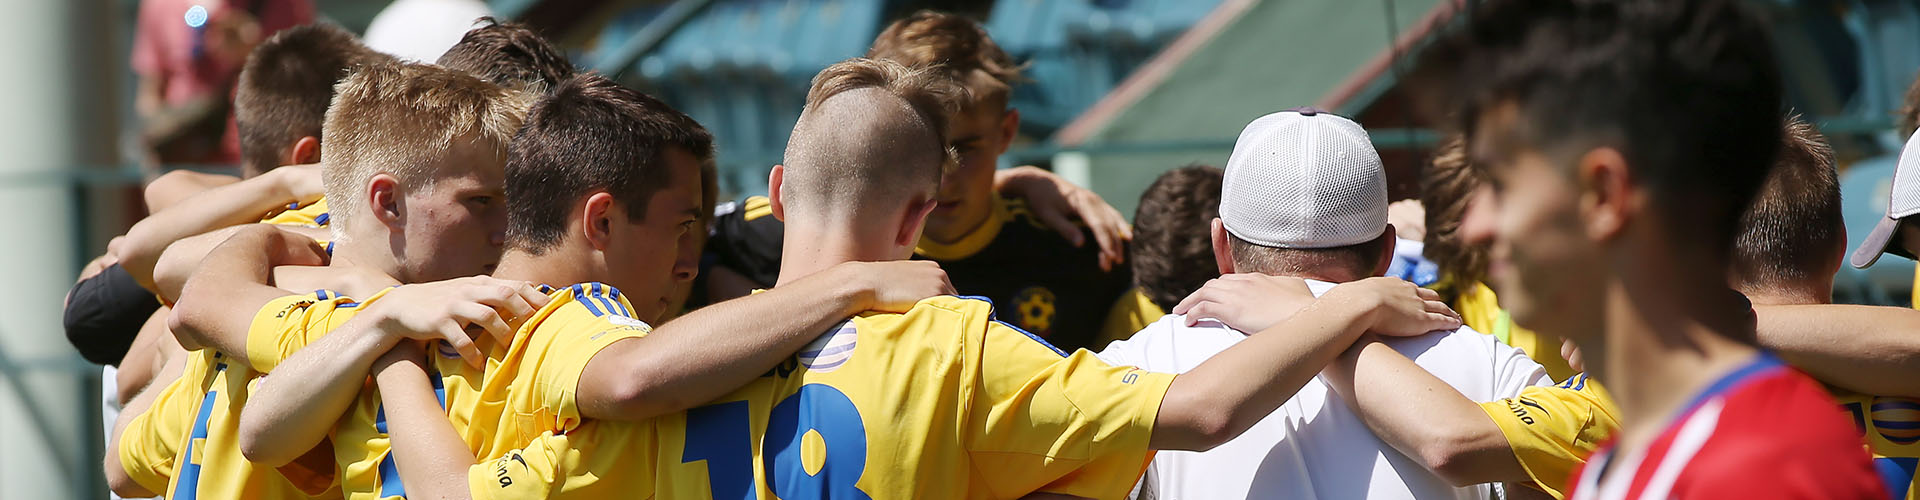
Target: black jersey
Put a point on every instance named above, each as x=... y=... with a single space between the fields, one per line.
x=1037 y=280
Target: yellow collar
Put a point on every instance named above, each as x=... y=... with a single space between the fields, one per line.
x=972 y=242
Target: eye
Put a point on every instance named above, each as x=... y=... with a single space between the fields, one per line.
x=481 y=200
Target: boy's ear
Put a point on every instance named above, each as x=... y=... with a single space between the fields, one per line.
x=1607 y=194
x=384 y=196
x=1009 y=127
x=1222 y=255
x=305 y=150
x=1385 y=260
x=778 y=202
x=596 y=220
x=908 y=234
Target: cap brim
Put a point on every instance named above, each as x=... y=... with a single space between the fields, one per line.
x=1875 y=244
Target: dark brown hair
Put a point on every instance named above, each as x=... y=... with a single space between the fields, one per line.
x=1687 y=91
x=508 y=54
x=590 y=134
x=1172 y=253
x=285 y=88
x=1793 y=232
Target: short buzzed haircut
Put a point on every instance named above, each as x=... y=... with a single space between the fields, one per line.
x=873 y=131
x=1171 y=254
x=509 y=55
x=401 y=119
x=588 y=135
x=961 y=49
x=1793 y=233
x=285 y=87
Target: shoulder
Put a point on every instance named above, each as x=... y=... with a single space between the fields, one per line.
x=592 y=299
x=1170 y=345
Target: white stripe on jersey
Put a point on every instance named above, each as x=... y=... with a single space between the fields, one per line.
x=1687 y=442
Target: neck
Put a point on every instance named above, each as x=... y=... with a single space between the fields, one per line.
x=1669 y=330
x=1786 y=295
x=806 y=251
x=362 y=251
x=558 y=267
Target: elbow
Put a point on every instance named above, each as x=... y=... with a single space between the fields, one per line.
x=257 y=447
x=183 y=323
x=121 y=483
x=1451 y=465
x=1461 y=460
x=1202 y=428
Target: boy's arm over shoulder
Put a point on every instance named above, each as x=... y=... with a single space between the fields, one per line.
x=1050 y=421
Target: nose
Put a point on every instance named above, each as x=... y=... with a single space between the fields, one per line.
x=1477 y=225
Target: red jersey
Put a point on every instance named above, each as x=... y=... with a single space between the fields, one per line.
x=1762 y=431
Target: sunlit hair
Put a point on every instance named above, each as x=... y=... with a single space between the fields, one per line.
x=961 y=49
x=402 y=119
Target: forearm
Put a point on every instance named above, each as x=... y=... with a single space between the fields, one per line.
x=1422 y=416
x=432 y=458
x=1237 y=387
x=1867 y=349
x=180 y=185
x=229 y=205
x=297 y=404
x=215 y=306
x=715 y=349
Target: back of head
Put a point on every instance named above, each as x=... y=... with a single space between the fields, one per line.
x=285 y=87
x=871 y=138
x=1687 y=91
x=509 y=55
x=1792 y=236
x=1170 y=256
x=1446 y=187
x=959 y=47
x=401 y=119
x=590 y=134
x=1305 y=194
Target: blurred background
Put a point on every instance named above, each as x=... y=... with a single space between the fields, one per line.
x=104 y=94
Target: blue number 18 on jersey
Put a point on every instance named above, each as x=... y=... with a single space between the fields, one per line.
x=722 y=435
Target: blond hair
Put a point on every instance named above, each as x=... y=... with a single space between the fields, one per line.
x=872 y=131
x=959 y=47
x=400 y=119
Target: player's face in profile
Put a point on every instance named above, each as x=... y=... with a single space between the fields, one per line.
x=645 y=257
x=966 y=190
x=455 y=228
x=1526 y=213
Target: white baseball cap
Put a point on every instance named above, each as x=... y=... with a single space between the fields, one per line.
x=1304 y=178
x=1905 y=201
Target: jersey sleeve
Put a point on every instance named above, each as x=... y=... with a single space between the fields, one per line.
x=289 y=323
x=1553 y=429
x=579 y=331
x=599 y=461
x=1068 y=424
x=148 y=447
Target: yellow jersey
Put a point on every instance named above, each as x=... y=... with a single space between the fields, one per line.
x=1132 y=313
x=1553 y=429
x=187 y=443
x=942 y=401
x=527 y=387
x=1480 y=310
x=309 y=215
x=1891 y=428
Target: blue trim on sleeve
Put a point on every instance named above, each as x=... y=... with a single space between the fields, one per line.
x=992 y=317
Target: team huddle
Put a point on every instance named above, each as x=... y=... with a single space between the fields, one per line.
x=496 y=276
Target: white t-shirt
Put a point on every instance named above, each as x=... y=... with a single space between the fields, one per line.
x=1314 y=446
x=421 y=30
